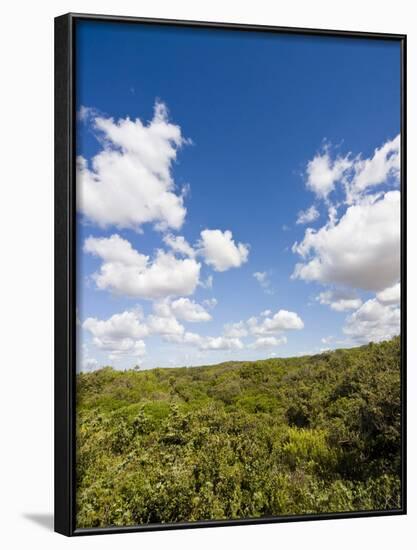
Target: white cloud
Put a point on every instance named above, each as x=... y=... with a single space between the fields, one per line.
x=308 y=216
x=129 y=181
x=120 y=334
x=192 y=338
x=184 y=309
x=362 y=250
x=190 y=311
x=165 y=326
x=385 y=163
x=236 y=330
x=263 y=279
x=128 y=324
x=164 y=320
x=179 y=245
x=340 y=300
x=220 y=251
x=323 y=173
x=115 y=249
x=162 y=308
x=268 y=342
x=357 y=175
x=390 y=295
x=124 y=347
x=220 y=343
x=373 y=322
x=85 y=113
x=207 y=343
x=280 y=321
x=127 y=272
x=123 y=334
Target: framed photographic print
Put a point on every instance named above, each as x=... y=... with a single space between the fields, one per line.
x=230 y=274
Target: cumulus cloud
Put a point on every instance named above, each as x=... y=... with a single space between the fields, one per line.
x=391 y=295
x=361 y=250
x=308 y=216
x=208 y=343
x=129 y=181
x=179 y=245
x=165 y=326
x=125 y=271
x=190 y=311
x=115 y=249
x=264 y=342
x=219 y=343
x=323 y=172
x=184 y=309
x=128 y=324
x=267 y=328
x=121 y=334
x=385 y=163
x=220 y=251
x=340 y=300
x=236 y=330
x=281 y=321
x=124 y=347
x=164 y=320
x=373 y=322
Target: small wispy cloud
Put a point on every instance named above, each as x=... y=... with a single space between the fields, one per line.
x=263 y=279
x=308 y=216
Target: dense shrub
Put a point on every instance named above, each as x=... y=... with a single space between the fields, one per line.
x=275 y=437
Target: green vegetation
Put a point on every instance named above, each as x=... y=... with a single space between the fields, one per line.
x=240 y=439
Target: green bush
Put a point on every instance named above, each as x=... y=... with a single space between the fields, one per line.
x=237 y=440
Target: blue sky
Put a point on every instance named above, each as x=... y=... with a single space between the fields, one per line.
x=262 y=127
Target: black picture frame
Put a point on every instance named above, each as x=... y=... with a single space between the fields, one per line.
x=65 y=266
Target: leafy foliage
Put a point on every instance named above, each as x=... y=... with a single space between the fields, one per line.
x=313 y=434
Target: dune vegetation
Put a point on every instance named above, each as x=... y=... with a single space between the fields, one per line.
x=304 y=435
